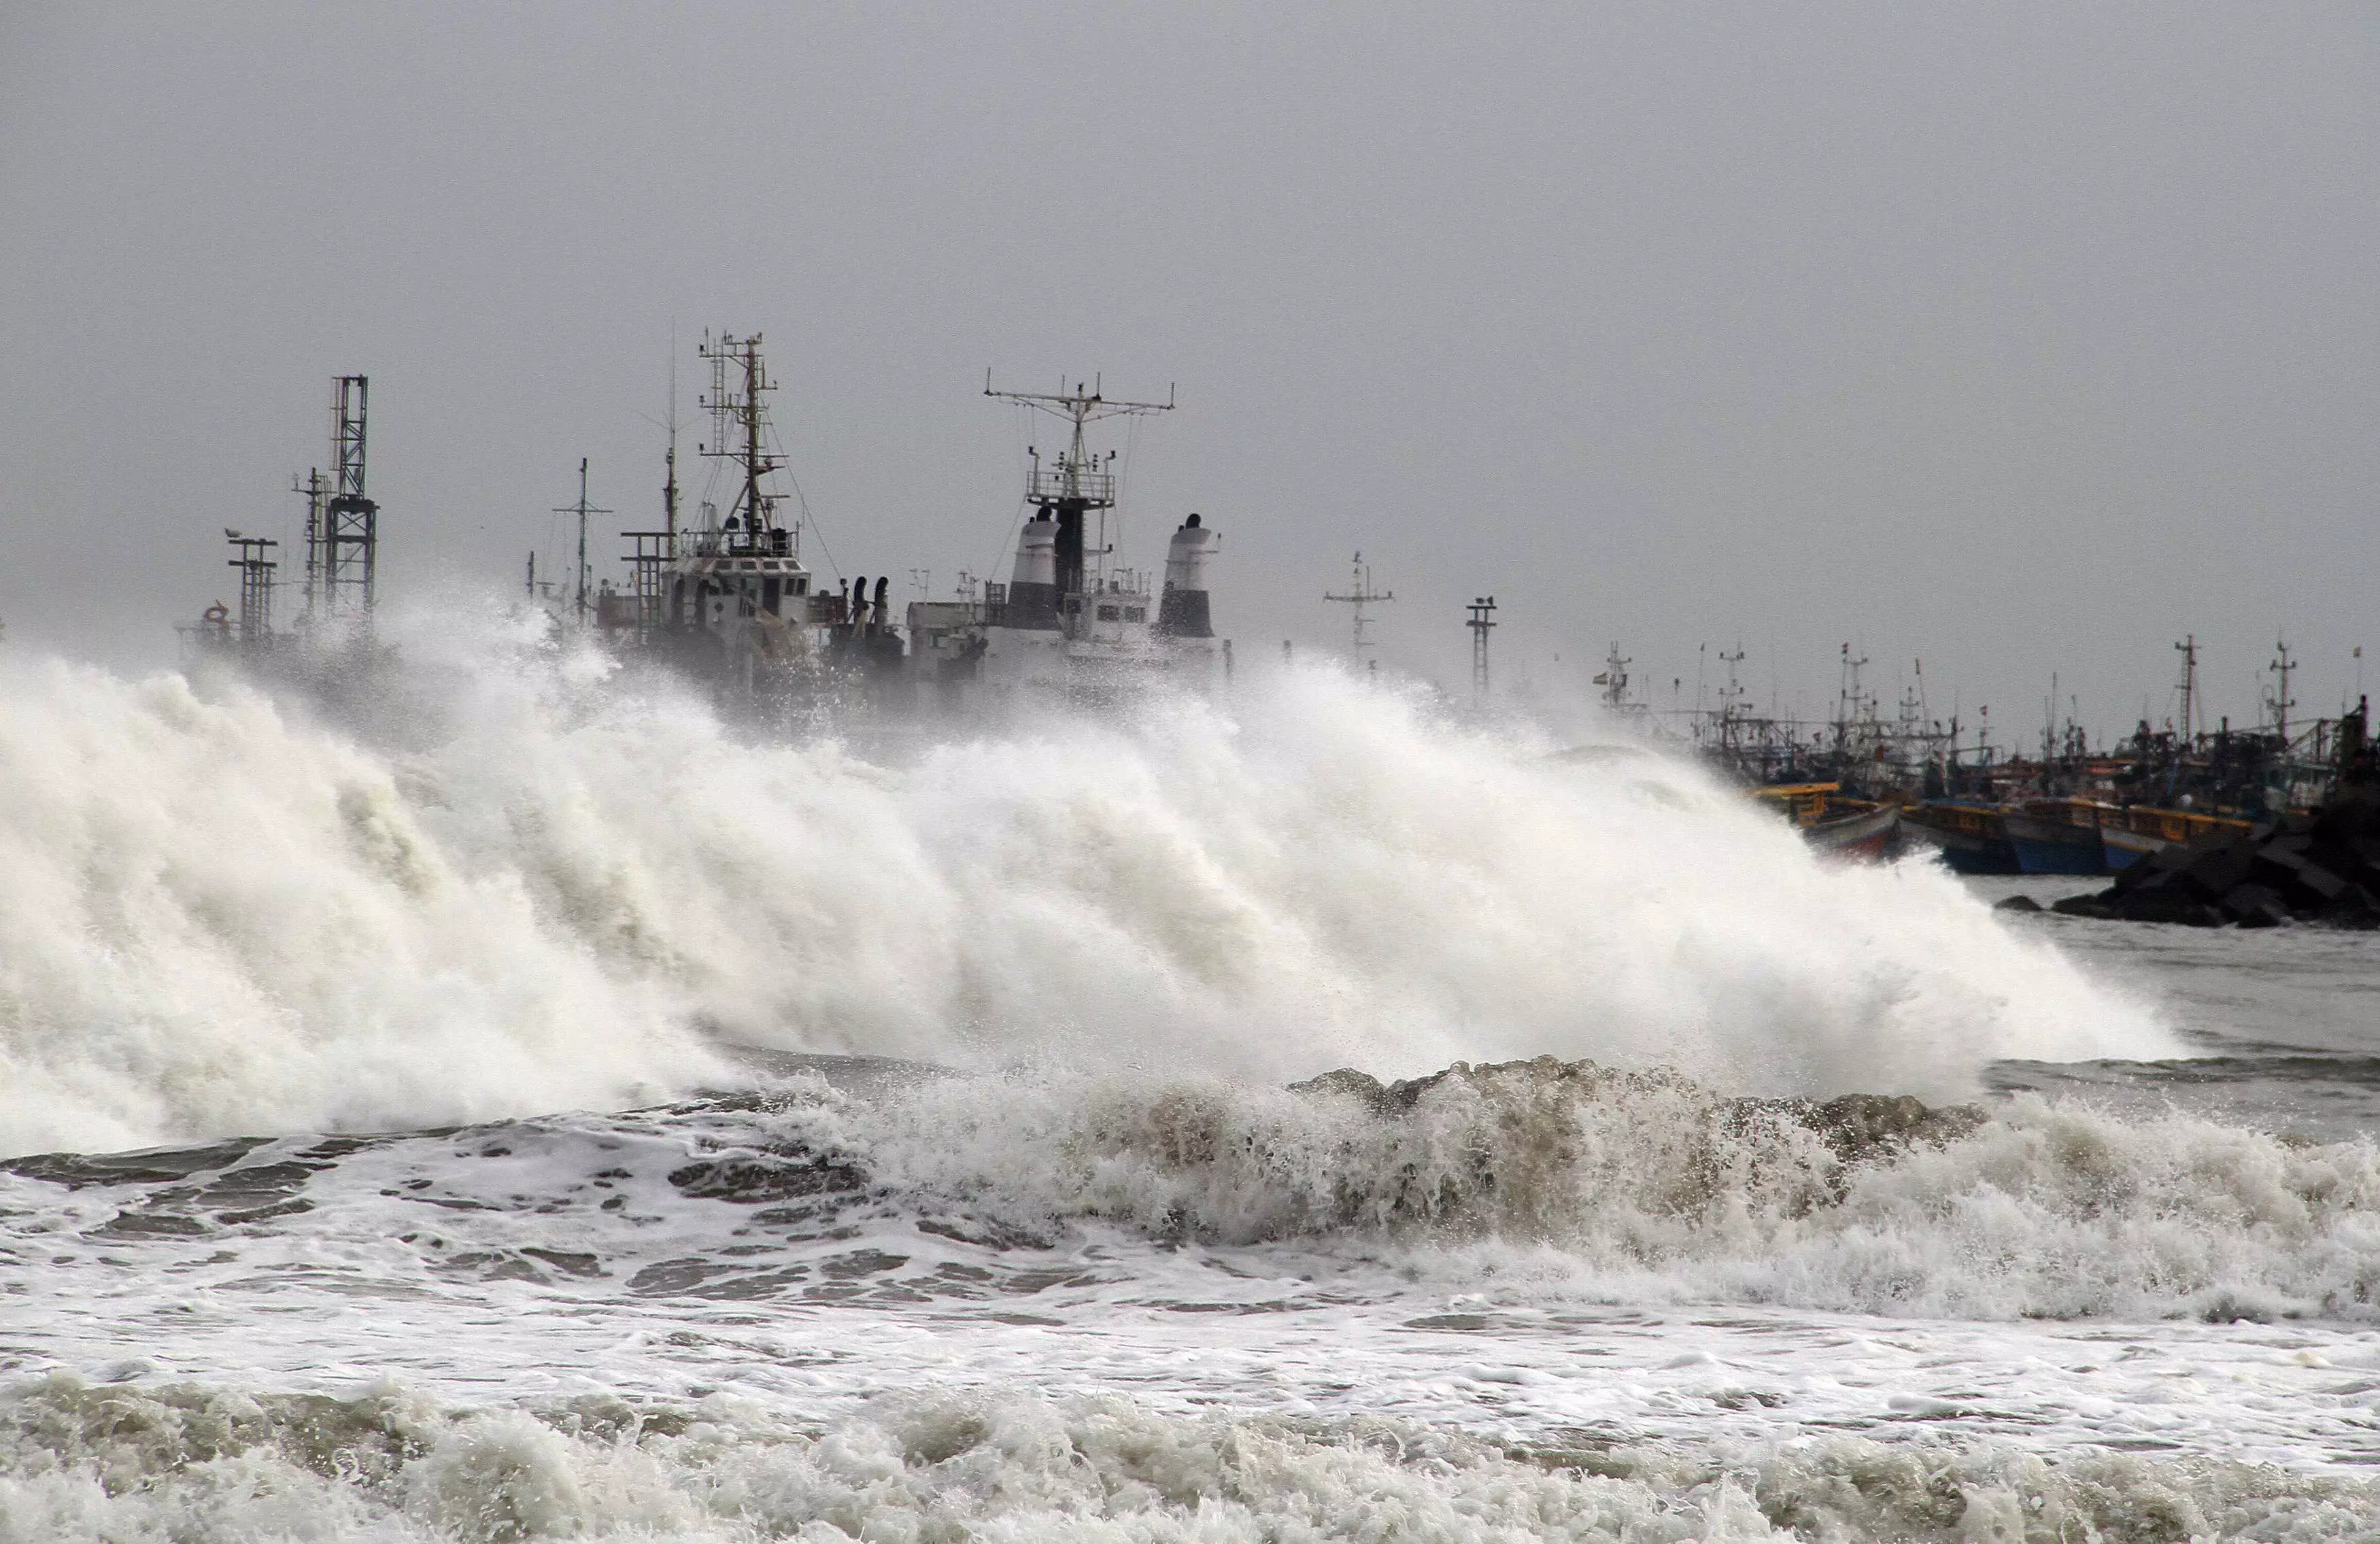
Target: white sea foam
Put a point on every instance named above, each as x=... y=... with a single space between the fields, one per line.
x=1536 y=1177
x=549 y=890
x=120 y=1464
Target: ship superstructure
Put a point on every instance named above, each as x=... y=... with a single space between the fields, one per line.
x=730 y=598
x=1072 y=625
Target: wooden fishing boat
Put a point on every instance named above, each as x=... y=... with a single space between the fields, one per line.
x=2127 y=835
x=2057 y=836
x=1865 y=835
x=1972 y=838
x=1858 y=828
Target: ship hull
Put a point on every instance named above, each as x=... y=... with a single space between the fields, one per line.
x=2120 y=849
x=1970 y=841
x=2128 y=835
x=1865 y=837
x=2054 y=846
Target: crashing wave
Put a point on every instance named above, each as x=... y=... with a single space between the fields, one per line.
x=1527 y=1178
x=1651 y=1185
x=539 y=889
x=84 y=1462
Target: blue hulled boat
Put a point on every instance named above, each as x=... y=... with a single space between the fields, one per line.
x=2057 y=836
x=1972 y=837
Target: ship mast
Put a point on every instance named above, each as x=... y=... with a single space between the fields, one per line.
x=739 y=419
x=1614 y=679
x=1359 y=595
x=2282 y=666
x=1079 y=483
x=580 y=603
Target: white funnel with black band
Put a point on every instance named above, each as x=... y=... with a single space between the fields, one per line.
x=1033 y=594
x=1181 y=610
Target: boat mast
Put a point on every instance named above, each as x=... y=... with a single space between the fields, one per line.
x=669 y=457
x=2282 y=702
x=1080 y=482
x=582 y=509
x=739 y=426
x=1360 y=594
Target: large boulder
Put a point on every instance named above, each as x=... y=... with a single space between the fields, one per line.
x=2322 y=867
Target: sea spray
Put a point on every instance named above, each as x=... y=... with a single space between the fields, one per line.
x=541 y=886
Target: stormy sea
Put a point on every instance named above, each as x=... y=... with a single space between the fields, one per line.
x=538 y=1107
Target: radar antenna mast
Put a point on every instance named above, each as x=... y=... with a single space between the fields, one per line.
x=579 y=605
x=1079 y=483
x=739 y=417
x=1360 y=594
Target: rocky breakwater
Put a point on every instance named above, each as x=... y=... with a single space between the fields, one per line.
x=2322 y=867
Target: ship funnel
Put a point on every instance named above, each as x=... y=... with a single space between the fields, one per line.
x=1181 y=610
x=1033 y=594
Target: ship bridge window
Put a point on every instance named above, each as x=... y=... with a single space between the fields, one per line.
x=1109 y=614
x=1135 y=613
x=801 y=584
x=770 y=587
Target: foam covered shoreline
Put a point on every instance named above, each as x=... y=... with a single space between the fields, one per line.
x=80 y=1462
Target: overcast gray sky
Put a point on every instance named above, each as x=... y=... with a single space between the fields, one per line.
x=2015 y=338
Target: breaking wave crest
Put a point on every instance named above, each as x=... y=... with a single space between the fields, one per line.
x=531 y=885
x=1532 y=1183
x=1650 y=1187
x=83 y=1462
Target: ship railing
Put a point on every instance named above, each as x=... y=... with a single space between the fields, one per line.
x=734 y=543
x=1069 y=482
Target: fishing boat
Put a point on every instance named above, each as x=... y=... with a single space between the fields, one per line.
x=1866 y=836
x=2057 y=836
x=1972 y=838
x=2127 y=835
x=1857 y=828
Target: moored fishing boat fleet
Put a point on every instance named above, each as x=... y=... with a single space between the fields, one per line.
x=1865 y=786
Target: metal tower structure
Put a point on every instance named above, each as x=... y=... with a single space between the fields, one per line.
x=1359 y=595
x=255 y=588
x=317 y=493
x=350 y=523
x=1079 y=482
x=2282 y=667
x=2188 y=646
x=1483 y=613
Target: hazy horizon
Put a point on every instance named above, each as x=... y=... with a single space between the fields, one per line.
x=2015 y=341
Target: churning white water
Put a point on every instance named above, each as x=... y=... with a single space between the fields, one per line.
x=537 y=887
x=474 y=1208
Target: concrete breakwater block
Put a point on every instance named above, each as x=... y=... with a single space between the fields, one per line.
x=2321 y=867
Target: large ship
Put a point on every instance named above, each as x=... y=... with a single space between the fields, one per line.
x=731 y=601
x=1070 y=624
